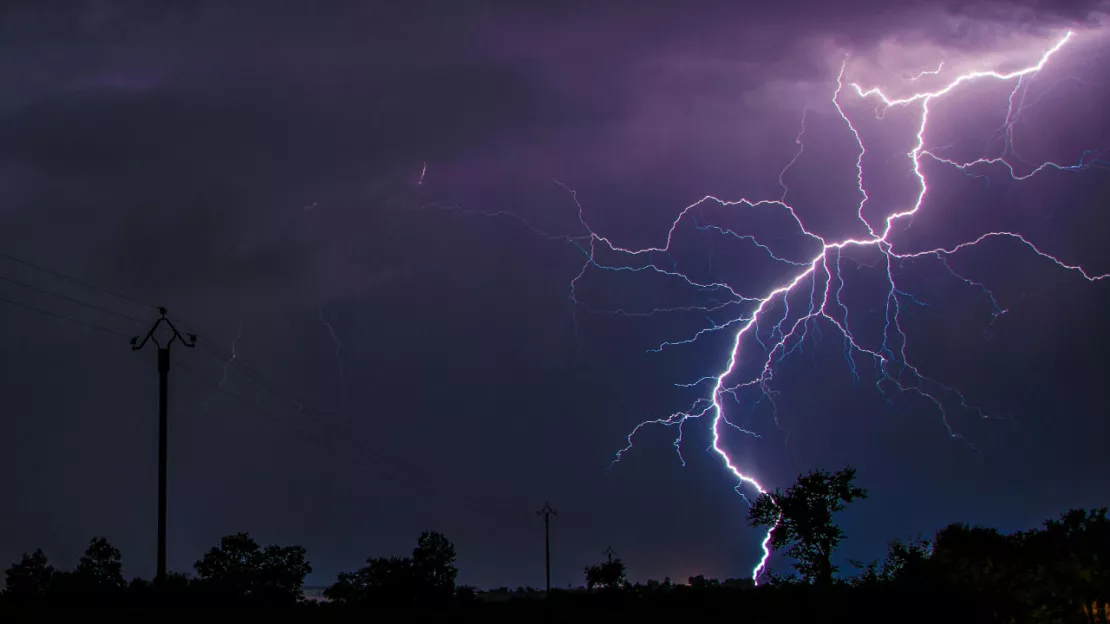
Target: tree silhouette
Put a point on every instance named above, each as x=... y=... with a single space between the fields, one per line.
x=434 y=567
x=281 y=573
x=1084 y=575
x=427 y=577
x=229 y=568
x=28 y=579
x=907 y=561
x=700 y=582
x=609 y=574
x=386 y=580
x=238 y=569
x=801 y=520
x=100 y=567
x=1066 y=567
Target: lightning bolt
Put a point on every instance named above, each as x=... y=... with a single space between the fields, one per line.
x=778 y=322
x=423 y=172
x=928 y=72
x=338 y=355
x=231 y=359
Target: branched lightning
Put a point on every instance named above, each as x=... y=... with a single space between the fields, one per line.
x=232 y=357
x=338 y=354
x=777 y=322
x=928 y=72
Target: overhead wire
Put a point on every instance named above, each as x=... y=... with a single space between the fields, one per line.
x=75 y=280
x=68 y=298
x=394 y=469
x=62 y=317
x=86 y=304
x=273 y=387
x=268 y=386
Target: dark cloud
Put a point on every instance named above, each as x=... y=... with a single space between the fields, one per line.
x=251 y=163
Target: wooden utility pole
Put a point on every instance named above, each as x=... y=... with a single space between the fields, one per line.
x=190 y=341
x=609 y=552
x=547 y=512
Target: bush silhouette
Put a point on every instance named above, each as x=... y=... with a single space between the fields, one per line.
x=28 y=580
x=425 y=578
x=239 y=570
x=609 y=575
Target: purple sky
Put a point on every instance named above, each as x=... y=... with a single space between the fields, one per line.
x=173 y=152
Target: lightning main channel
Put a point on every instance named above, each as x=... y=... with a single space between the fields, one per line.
x=774 y=321
x=822 y=273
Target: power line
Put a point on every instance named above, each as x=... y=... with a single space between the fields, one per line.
x=270 y=387
x=303 y=431
x=273 y=387
x=62 y=317
x=189 y=341
x=267 y=386
x=75 y=280
x=343 y=431
x=547 y=512
x=374 y=454
x=70 y=299
x=609 y=552
x=251 y=406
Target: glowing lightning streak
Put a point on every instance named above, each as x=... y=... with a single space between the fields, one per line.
x=889 y=359
x=338 y=357
x=227 y=364
x=927 y=72
x=819 y=271
x=797 y=155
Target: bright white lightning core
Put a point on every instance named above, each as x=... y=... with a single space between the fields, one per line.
x=819 y=274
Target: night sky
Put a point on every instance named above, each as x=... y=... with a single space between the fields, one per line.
x=372 y=204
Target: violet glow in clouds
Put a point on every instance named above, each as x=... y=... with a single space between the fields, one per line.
x=823 y=278
x=255 y=171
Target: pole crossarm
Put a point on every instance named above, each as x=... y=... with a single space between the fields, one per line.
x=547 y=512
x=189 y=341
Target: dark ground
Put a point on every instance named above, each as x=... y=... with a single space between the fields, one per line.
x=768 y=605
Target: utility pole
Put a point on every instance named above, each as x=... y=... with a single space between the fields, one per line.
x=190 y=341
x=547 y=512
x=609 y=552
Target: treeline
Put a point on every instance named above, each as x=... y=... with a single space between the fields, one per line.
x=237 y=572
x=1059 y=572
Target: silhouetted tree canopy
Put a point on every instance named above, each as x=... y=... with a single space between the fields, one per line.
x=700 y=582
x=383 y=579
x=801 y=520
x=1054 y=574
x=101 y=567
x=28 y=579
x=609 y=574
x=434 y=567
x=427 y=577
x=1075 y=551
x=239 y=569
x=907 y=561
x=1051 y=574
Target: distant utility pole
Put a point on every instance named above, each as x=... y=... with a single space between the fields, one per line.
x=609 y=552
x=190 y=341
x=547 y=512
